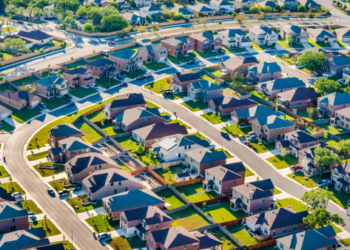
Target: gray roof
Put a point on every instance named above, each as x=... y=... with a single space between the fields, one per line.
x=126 y=100
x=132 y=199
x=151 y=47
x=151 y=8
x=203 y=36
x=335 y=99
x=24 y=239
x=160 y=130
x=64 y=129
x=131 y=115
x=262 y=31
x=231 y=102
x=207 y=240
x=34 y=34
x=299 y=94
x=283 y=83
x=51 y=80
x=274 y=122
x=301 y=136
x=151 y=214
x=174 y=237
x=320 y=33
x=80 y=70
x=291 y=28
x=74 y=143
x=4 y=110
x=175 y=40
x=182 y=10
x=227 y=172
x=185 y=76
x=11 y=210
x=204 y=84
x=5 y=195
x=256 y=190
x=316 y=49
x=200 y=8
x=132 y=18
x=222 y=3
x=266 y=67
x=101 y=62
x=343 y=31
x=20 y=95
x=233 y=33
x=83 y=161
x=125 y=54
x=309 y=3
x=340 y=60
x=269 y=3
x=237 y=61
x=345 y=112
x=202 y=155
x=255 y=112
x=344 y=168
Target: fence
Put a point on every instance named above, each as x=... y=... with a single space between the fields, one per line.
x=232 y=222
x=221 y=81
x=189 y=182
x=178 y=209
x=263 y=244
x=215 y=200
x=169 y=164
x=154 y=174
x=97 y=128
x=121 y=135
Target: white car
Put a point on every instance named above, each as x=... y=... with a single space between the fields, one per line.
x=93 y=86
x=147 y=74
x=17 y=195
x=245 y=53
x=102 y=236
x=218 y=57
x=201 y=64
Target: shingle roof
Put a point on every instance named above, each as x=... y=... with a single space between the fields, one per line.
x=83 y=161
x=309 y=3
x=59 y=246
x=34 y=34
x=206 y=85
x=80 y=70
x=316 y=49
x=207 y=240
x=11 y=210
x=174 y=237
x=256 y=190
x=301 y=136
x=4 y=110
x=131 y=115
x=74 y=143
x=64 y=129
x=24 y=239
x=340 y=60
x=266 y=67
x=343 y=31
x=160 y=130
x=274 y=122
x=291 y=28
x=335 y=99
x=19 y=95
x=222 y=3
x=320 y=33
x=235 y=62
x=231 y=102
x=227 y=172
x=51 y=80
x=125 y=53
x=299 y=94
x=233 y=32
x=283 y=83
x=151 y=47
x=269 y=3
x=126 y=100
x=255 y=112
x=345 y=112
x=151 y=8
x=184 y=76
x=182 y=10
x=200 y=8
x=344 y=168
x=202 y=155
x=150 y=214
x=130 y=17
x=203 y=36
x=175 y=41
x=262 y=30
x=100 y=62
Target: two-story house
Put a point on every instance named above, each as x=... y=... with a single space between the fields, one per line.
x=343 y=34
x=102 y=67
x=222 y=179
x=342 y=118
x=38 y=37
x=52 y=86
x=310 y=4
x=79 y=76
x=321 y=35
x=337 y=64
x=150 y=11
x=279 y=85
x=253 y=197
x=297 y=33
x=272 y=127
x=126 y=59
x=144 y=220
x=204 y=90
x=122 y=103
x=244 y=4
x=267 y=3
x=19 y=99
x=183 y=11
x=297 y=97
x=329 y=104
x=33 y=238
x=178 y=46
x=248 y=115
x=133 y=18
x=143 y=3
x=239 y=63
x=234 y=38
x=153 y=53
x=63 y=131
x=262 y=72
x=290 y=4
x=12 y=217
x=203 y=9
x=222 y=6
x=341 y=176
x=205 y=41
x=263 y=36
x=182 y=79
x=106 y=182
x=226 y=104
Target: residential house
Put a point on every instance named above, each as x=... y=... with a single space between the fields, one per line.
x=205 y=41
x=149 y=135
x=263 y=36
x=265 y=71
x=5 y=113
x=310 y=4
x=298 y=97
x=127 y=59
x=244 y=4
x=253 y=197
x=272 y=127
x=201 y=159
x=70 y=147
x=138 y=117
x=203 y=9
x=226 y=104
x=19 y=99
x=144 y=220
x=251 y=114
x=337 y=64
x=222 y=6
x=102 y=67
x=49 y=11
x=178 y=46
x=341 y=175
x=24 y=239
x=279 y=85
x=133 y=18
x=143 y=3
x=343 y=34
x=234 y=38
x=174 y=148
x=5 y=196
x=239 y=63
x=222 y=179
x=204 y=90
x=279 y=222
x=153 y=53
x=122 y=103
x=13 y=217
x=312 y=239
x=51 y=87
x=128 y=200
x=290 y=4
x=328 y=104
x=109 y=181
x=321 y=35
x=36 y=36
x=179 y=238
x=183 y=11
x=298 y=34
x=342 y=118
x=327 y=53
x=79 y=76
x=63 y=131
x=29 y=43
x=81 y=166
x=150 y=11
x=182 y=79
x=346 y=73
x=267 y=3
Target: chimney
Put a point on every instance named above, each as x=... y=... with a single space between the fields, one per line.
x=268 y=68
x=161 y=217
x=205 y=232
x=251 y=194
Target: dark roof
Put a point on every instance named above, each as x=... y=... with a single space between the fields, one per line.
x=59 y=246
x=207 y=240
x=174 y=237
x=184 y=76
x=83 y=161
x=182 y=10
x=160 y=130
x=151 y=8
x=227 y=172
x=204 y=84
x=19 y=95
x=11 y=210
x=151 y=214
x=233 y=33
x=262 y=30
x=130 y=17
x=223 y=3
x=274 y=122
x=126 y=100
x=235 y=62
x=200 y=8
x=80 y=70
x=335 y=99
x=343 y=168
x=64 y=129
x=299 y=94
x=125 y=54
x=316 y=49
x=14 y=36
x=5 y=195
x=51 y=80
x=34 y=34
x=256 y=190
x=309 y=3
x=345 y=112
x=343 y=31
x=266 y=67
x=175 y=41
x=129 y=116
x=24 y=239
x=291 y=28
x=201 y=36
x=202 y=155
x=268 y=3
x=255 y=112
x=101 y=62
x=340 y=60
x=74 y=143
x=301 y=136
x=321 y=32
x=231 y=102
x=283 y=83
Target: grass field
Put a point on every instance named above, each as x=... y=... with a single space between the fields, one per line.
x=170 y=178
x=12 y=187
x=81 y=92
x=49 y=172
x=90 y=134
x=54 y=103
x=296 y=205
x=100 y=224
x=3 y=172
x=214 y=119
x=155 y=66
x=242 y=234
x=189 y=219
x=31 y=206
x=127 y=142
x=195 y=106
x=195 y=193
x=171 y=198
x=309 y=182
x=159 y=86
x=235 y=130
x=222 y=212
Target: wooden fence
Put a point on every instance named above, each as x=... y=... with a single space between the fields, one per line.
x=263 y=244
x=215 y=200
x=151 y=171
x=169 y=164
x=232 y=222
x=93 y=110
x=189 y=182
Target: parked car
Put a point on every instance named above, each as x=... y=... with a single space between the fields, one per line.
x=68 y=96
x=93 y=86
x=30 y=213
x=221 y=51
x=39 y=108
x=168 y=92
x=17 y=195
x=42 y=105
x=123 y=84
x=32 y=217
x=63 y=192
x=20 y=22
x=51 y=192
x=102 y=236
x=70 y=104
x=218 y=57
x=111 y=43
x=147 y=74
x=224 y=134
x=253 y=138
x=143 y=68
x=296 y=167
x=140 y=77
x=191 y=62
x=76 y=189
x=245 y=53
x=201 y=64
x=323 y=183
x=212 y=147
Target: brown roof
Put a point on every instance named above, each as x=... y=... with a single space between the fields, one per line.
x=18 y=96
x=235 y=62
x=299 y=94
x=160 y=130
x=4 y=110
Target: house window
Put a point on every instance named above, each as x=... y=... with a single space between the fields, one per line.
x=263 y=199
x=247 y=200
x=260 y=207
x=235 y=191
x=335 y=171
x=14 y=220
x=151 y=240
x=274 y=232
x=112 y=183
x=211 y=163
x=185 y=246
x=293 y=227
x=120 y=183
x=241 y=196
x=126 y=189
x=95 y=167
x=157 y=225
x=73 y=152
x=284 y=229
x=281 y=246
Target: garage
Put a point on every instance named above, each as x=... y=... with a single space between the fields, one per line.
x=346 y=39
x=162 y=59
x=35 y=103
x=234 y=119
x=5 y=112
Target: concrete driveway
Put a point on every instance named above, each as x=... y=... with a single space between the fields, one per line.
x=335 y=45
x=306 y=45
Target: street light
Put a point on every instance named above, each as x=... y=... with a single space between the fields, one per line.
x=72 y=234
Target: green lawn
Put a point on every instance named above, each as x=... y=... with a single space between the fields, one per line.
x=100 y=224
x=285 y=45
x=76 y=65
x=21 y=83
x=81 y=92
x=171 y=198
x=159 y=86
x=169 y=177
x=206 y=77
x=180 y=59
x=118 y=243
x=49 y=228
x=240 y=232
x=79 y=208
x=3 y=172
x=49 y=172
x=127 y=142
x=58 y=186
x=222 y=212
x=177 y=96
x=189 y=219
x=54 y=103
x=152 y=105
x=147 y=160
x=254 y=92
x=90 y=133
x=96 y=116
x=319 y=44
x=279 y=162
x=345 y=242
x=8 y=29
x=228 y=244
x=213 y=118
x=261 y=47
x=31 y=206
x=179 y=122
x=306 y=117
x=134 y=74
x=6 y=87
x=124 y=167
x=340 y=43
x=37 y=156
x=296 y=205
x=208 y=54
x=66 y=244
x=341 y=198
x=106 y=82
x=155 y=66
x=94 y=58
x=108 y=128
x=12 y=187
x=287 y=60
x=233 y=50
x=235 y=130
x=276 y=191
x=195 y=192
x=5 y=56
x=333 y=130
x=195 y=106
x=309 y=182
x=263 y=147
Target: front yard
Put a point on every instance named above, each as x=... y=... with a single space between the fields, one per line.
x=3 y=172
x=101 y=225
x=58 y=185
x=319 y=44
x=263 y=148
x=106 y=82
x=54 y=103
x=118 y=243
x=31 y=206
x=286 y=45
x=177 y=96
x=241 y=233
x=159 y=86
x=205 y=55
x=214 y=119
x=90 y=134
x=171 y=198
x=221 y=212
x=309 y=182
x=49 y=228
x=78 y=206
x=37 y=156
x=12 y=187
x=49 y=172
x=235 y=130
x=180 y=59
x=195 y=106
x=189 y=219
x=279 y=162
x=261 y=47
x=234 y=50
x=287 y=60
x=134 y=74
x=195 y=193
x=169 y=175
x=341 y=198
x=155 y=66
x=81 y=92
x=292 y=203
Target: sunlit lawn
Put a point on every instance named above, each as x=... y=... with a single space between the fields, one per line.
x=171 y=198
x=195 y=192
x=189 y=219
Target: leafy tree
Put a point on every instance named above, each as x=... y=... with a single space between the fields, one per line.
x=165 y=168
x=152 y=155
x=326 y=86
x=317 y=198
x=278 y=8
x=88 y=27
x=325 y=135
x=142 y=30
x=13 y=45
x=320 y=218
x=155 y=29
x=344 y=146
x=148 y=19
x=324 y=157
x=237 y=79
x=11 y=10
x=284 y=153
x=312 y=60
x=266 y=9
x=64 y=5
x=71 y=21
x=301 y=8
x=113 y=23
x=290 y=39
x=312 y=112
x=140 y=149
x=310 y=16
x=123 y=34
x=254 y=9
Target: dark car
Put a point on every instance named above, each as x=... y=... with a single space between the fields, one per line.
x=51 y=192
x=42 y=105
x=224 y=134
x=68 y=96
x=168 y=92
x=39 y=108
x=221 y=51
x=191 y=62
x=20 y=22
x=63 y=192
x=76 y=189
x=140 y=77
x=70 y=104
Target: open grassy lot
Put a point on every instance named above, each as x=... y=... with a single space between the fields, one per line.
x=22 y=83
x=333 y=130
x=49 y=228
x=171 y=198
x=169 y=177
x=155 y=65
x=31 y=206
x=254 y=92
x=279 y=162
x=3 y=172
x=309 y=182
x=214 y=119
x=54 y=103
x=228 y=244
x=76 y=65
x=195 y=106
x=241 y=233
x=79 y=208
x=81 y=92
x=208 y=54
x=49 y=172
x=263 y=148
x=296 y=205
x=189 y=219
x=91 y=134
x=159 y=86
x=222 y=212
x=127 y=142
x=66 y=244
x=235 y=130
x=100 y=224
x=37 y=156
x=195 y=193
x=106 y=82
x=180 y=59
x=6 y=87
x=12 y=187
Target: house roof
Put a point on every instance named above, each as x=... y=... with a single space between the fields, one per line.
x=152 y=47
x=343 y=31
x=266 y=67
x=255 y=112
x=335 y=99
x=207 y=240
x=5 y=195
x=20 y=95
x=301 y=136
x=256 y=190
x=309 y=3
x=316 y=49
x=340 y=60
x=310 y=239
x=11 y=210
x=34 y=34
x=299 y=94
x=227 y=172
x=274 y=122
x=101 y=62
x=16 y=37
x=74 y=143
x=131 y=115
x=320 y=33
x=291 y=28
x=59 y=246
x=343 y=168
x=262 y=30
x=130 y=17
x=151 y=214
x=201 y=8
x=269 y=3
x=235 y=62
x=174 y=237
x=64 y=129
x=222 y=3
x=151 y=8
x=231 y=102
x=203 y=36
x=345 y=112
x=51 y=80
x=184 y=76
x=160 y=130
x=310 y=152
x=4 y=110
x=132 y=199
x=24 y=239
x=126 y=100
x=80 y=70
x=206 y=85
x=233 y=33
x=202 y=155
x=182 y=10
x=175 y=41
x=125 y=54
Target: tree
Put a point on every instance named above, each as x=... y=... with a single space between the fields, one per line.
x=325 y=135
x=320 y=218
x=310 y=15
x=152 y=155
x=237 y=79
x=70 y=20
x=148 y=19
x=290 y=39
x=317 y=198
x=326 y=86
x=267 y=9
x=344 y=146
x=140 y=149
x=155 y=29
x=324 y=157
x=283 y=153
x=13 y=45
x=11 y=10
x=312 y=112
x=301 y=8
x=64 y=5
x=254 y=9
x=123 y=34
x=88 y=27
x=165 y=168
x=278 y=8
x=142 y=30
x=113 y=23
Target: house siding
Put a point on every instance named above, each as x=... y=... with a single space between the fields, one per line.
x=21 y=223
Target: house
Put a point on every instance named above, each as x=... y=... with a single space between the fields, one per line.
x=5 y=196
x=149 y=135
x=341 y=174
x=81 y=166
x=342 y=118
x=12 y=217
x=239 y=63
x=203 y=9
x=222 y=179
x=107 y=182
x=263 y=36
x=183 y=11
x=184 y=176
x=138 y=117
x=328 y=104
x=279 y=222
x=205 y=41
x=133 y=18
x=153 y=53
x=102 y=67
x=321 y=35
x=182 y=79
x=244 y=4
x=5 y=112
x=150 y=11
x=36 y=36
x=63 y=131
x=226 y=104
x=122 y=103
x=253 y=197
x=20 y=99
x=346 y=73
x=200 y=159
x=51 y=87
x=279 y=85
x=310 y=4
x=327 y=53
x=29 y=43
x=204 y=90
x=144 y=220
x=251 y=114
x=272 y=127
x=58 y=246
x=179 y=238
x=128 y=200
x=267 y=3
x=127 y=59
x=222 y=6
x=142 y=3
x=297 y=97
x=178 y=46
x=290 y=4
x=312 y=239
x=337 y=64
x=49 y=11
x=24 y=239
x=79 y=76
x=343 y=34
x=174 y=148
x=234 y=38
x=298 y=34
x=265 y=71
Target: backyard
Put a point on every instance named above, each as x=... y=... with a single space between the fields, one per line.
x=127 y=142
x=333 y=130
x=189 y=218
x=110 y=130
x=221 y=212
x=171 y=198
x=195 y=106
x=235 y=130
x=169 y=177
x=79 y=208
x=195 y=192
x=159 y=86
x=6 y=87
x=309 y=182
x=206 y=77
x=123 y=166
x=283 y=162
x=101 y=225
x=90 y=134
x=228 y=244
x=241 y=233
x=49 y=228
x=96 y=116
x=306 y=117
x=118 y=243
x=26 y=83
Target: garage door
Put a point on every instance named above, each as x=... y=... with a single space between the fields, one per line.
x=162 y=59
x=234 y=119
x=346 y=39
x=35 y=103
